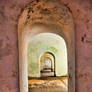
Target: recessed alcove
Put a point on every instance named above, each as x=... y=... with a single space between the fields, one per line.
x=46 y=48
x=47 y=65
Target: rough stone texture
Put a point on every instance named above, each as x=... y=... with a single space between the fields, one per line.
x=48 y=82
x=9 y=13
x=52 y=84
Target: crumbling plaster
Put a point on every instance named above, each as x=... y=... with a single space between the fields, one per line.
x=10 y=11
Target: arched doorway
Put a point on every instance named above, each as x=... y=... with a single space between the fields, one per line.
x=45 y=16
x=47 y=65
x=44 y=51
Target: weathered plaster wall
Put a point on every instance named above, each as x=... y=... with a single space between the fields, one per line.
x=9 y=13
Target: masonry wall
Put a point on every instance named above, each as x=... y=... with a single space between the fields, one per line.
x=10 y=11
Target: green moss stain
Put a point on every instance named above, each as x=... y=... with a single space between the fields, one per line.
x=53 y=49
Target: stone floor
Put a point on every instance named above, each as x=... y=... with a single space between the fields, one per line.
x=49 y=84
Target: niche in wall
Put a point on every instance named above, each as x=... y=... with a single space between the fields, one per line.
x=46 y=47
x=47 y=65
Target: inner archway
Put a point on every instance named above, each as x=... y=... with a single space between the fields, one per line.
x=42 y=43
x=47 y=65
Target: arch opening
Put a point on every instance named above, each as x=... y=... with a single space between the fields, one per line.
x=41 y=30
x=39 y=59
x=47 y=65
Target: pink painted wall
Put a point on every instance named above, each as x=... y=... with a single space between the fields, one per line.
x=9 y=14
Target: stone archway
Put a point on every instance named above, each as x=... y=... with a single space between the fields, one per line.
x=47 y=65
x=47 y=42
x=55 y=18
